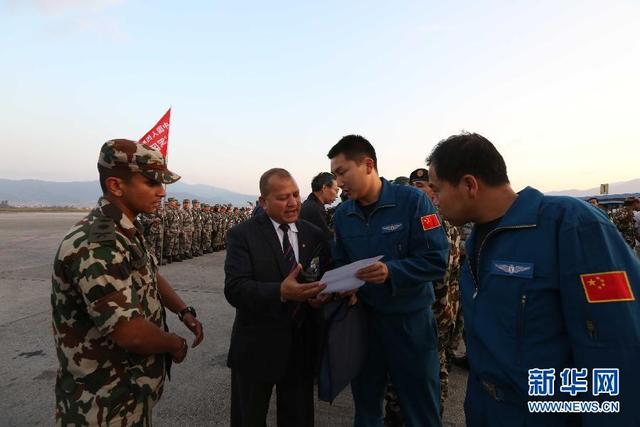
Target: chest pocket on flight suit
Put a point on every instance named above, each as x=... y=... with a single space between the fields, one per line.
x=393 y=236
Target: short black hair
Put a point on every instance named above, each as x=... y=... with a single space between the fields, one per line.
x=320 y=180
x=468 y=153
x=105 y=173
x=264 y=179
x=354 y=147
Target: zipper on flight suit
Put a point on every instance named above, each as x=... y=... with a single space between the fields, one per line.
x=521 y=313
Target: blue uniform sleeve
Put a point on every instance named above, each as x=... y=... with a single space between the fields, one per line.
x=604 y=333
x=427 y=251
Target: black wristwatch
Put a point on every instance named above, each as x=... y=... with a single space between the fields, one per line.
x=185 y=311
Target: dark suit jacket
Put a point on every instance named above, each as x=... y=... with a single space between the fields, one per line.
x=254 y=268
x=313 y=210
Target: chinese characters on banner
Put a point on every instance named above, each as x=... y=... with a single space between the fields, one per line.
x=158 y=136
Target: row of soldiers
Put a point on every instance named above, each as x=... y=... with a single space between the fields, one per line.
x=179 y=233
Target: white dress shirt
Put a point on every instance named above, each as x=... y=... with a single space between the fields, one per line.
x=293 y=236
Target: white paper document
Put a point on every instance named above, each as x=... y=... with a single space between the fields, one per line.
x=343 y=278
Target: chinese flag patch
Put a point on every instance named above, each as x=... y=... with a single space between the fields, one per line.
x=430 y=222
x=610 y=286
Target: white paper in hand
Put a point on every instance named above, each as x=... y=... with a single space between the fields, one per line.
x=343 y=279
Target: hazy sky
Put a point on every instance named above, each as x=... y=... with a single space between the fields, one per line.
x=555 y=85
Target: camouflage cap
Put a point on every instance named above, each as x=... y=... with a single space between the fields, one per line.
x=171 y=199
x=127 y=155
x=194 y=201
x=419 y=174
x=186 y=201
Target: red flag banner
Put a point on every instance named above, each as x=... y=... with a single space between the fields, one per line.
x=158 y=136
x=609 y=286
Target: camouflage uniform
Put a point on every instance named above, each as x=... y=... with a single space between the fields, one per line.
x=102 y=275
x=160 y=233
x=457 y=336
x=179 y=232
x=446 y=306
x=219 y=230
x=171 y=230
x=196 y=249
x=153 y=232
x=624 y=220
x=207 y=229
x=187 y=231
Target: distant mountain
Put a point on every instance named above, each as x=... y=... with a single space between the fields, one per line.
x=632 y=186
x=32 y=192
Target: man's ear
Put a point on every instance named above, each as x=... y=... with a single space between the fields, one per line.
x=470 y=185
x=115 y=186
x=262 y=201
x=369 y=164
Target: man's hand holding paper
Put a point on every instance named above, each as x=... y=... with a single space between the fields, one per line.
x=350 y=277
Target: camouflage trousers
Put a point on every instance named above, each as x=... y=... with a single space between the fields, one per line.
x=131 y=415
x=170 y=245
x=153 y=243
x=445 y=310
x=206 y=238
x=196 y=245
x=185 y=242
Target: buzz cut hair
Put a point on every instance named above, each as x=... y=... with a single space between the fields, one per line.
x=266 y=177
x=355 y=148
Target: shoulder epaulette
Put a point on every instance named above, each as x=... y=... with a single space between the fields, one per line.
x=103 y=229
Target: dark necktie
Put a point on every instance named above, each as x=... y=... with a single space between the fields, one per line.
x=290 y=259
x=287 y=249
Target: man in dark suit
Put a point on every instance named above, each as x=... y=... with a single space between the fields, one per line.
x=273 y=342
x=324 y=191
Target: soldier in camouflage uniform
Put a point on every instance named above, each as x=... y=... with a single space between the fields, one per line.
x=196 y=249
x=179 y=233
x=108 y=300
x=447 y=290
x=160 y=234
x=171 y=231
x=153 y=232
x=207 y=229
x=219 y=229
x=458 y=356
x=186 y=235
x=624 y=219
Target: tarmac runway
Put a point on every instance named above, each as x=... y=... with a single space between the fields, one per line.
x=197 y=395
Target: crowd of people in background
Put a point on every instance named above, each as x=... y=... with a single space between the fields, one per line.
x=175 y=233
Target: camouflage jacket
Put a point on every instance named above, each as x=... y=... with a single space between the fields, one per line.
x=196 y=214
x=103 y=274
x=624 y=220
x=187 y=219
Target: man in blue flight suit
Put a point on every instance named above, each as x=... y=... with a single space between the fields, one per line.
x=400 y=223
x=549 y=285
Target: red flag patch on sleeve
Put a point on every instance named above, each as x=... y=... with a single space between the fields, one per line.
x=430 y=222
x=610 y=286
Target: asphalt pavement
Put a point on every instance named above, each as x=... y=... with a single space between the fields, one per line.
x=197 y=395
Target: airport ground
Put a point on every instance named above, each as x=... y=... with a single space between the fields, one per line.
x=197 y=395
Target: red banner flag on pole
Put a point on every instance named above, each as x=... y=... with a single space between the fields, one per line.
x=158 y=136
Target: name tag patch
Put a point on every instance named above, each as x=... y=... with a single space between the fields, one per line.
x=512 y=269
x=391 y=228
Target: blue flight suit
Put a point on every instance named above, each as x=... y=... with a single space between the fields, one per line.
x=402 y=340
x=530 y=309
